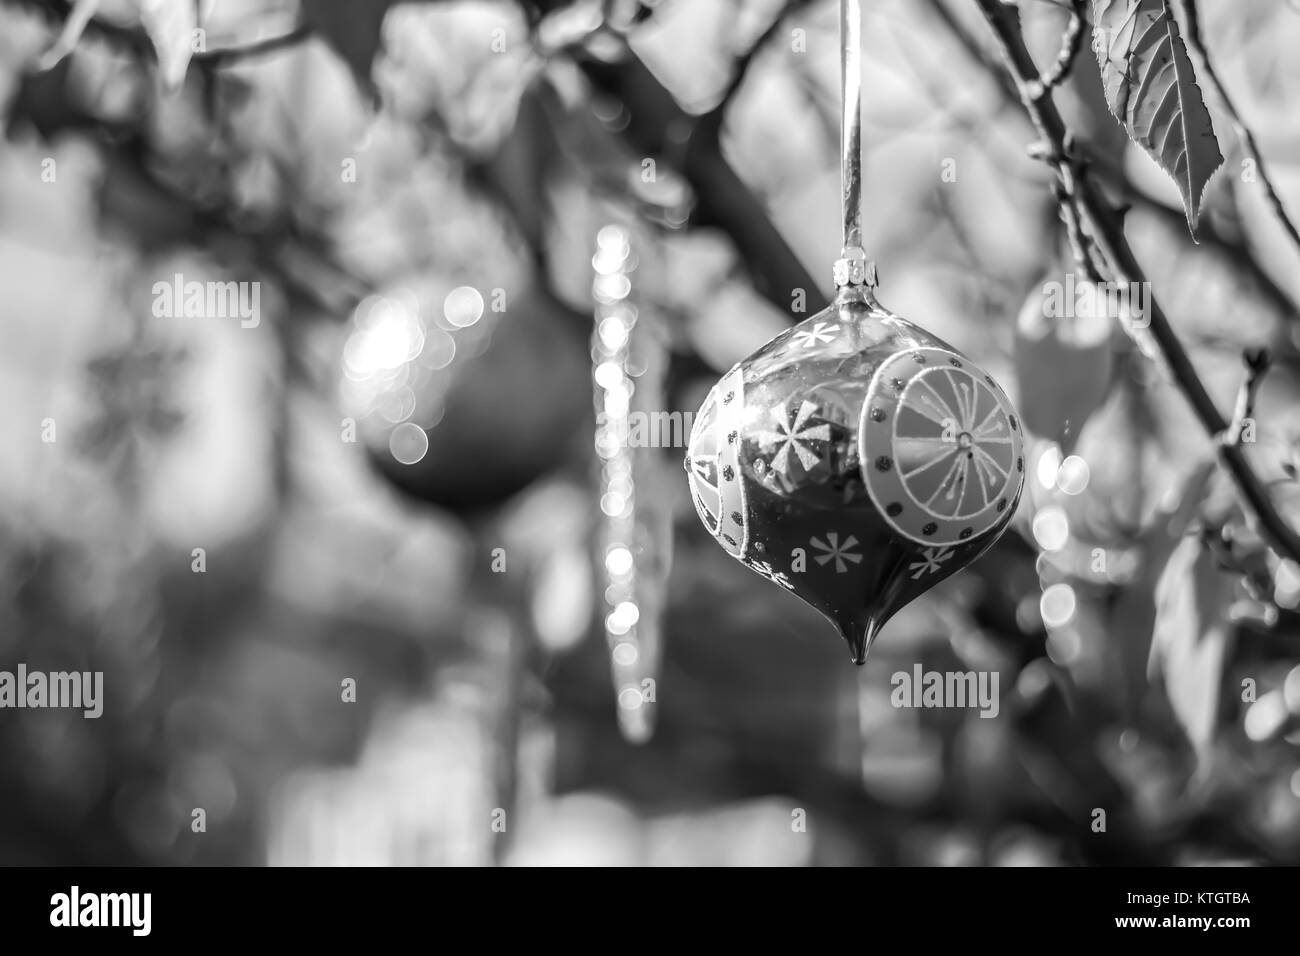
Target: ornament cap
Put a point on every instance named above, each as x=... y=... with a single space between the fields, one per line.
x=853 y=268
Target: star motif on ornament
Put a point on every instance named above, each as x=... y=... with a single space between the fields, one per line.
x=820 y=332
x=834 y=551
x=931 y=559
x=792 y=436
x=773 y=575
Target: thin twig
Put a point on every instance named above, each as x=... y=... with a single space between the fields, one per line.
x=1083 y=249
x=1105 y=225
x=1113 y=175
x=1257 y=362
x=1247 y=138
x=1071 y=44
x=256 y=48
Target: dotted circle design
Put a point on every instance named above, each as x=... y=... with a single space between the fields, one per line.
x=953 y=443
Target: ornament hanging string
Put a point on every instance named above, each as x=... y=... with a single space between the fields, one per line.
x=851 y=123
x=852 y=268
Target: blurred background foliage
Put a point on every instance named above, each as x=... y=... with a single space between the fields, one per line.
x=348 y=156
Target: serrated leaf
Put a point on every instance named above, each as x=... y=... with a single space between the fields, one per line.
x=1189 y=643
x=1151 y=89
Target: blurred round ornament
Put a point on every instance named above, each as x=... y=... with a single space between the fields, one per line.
x=499 y=395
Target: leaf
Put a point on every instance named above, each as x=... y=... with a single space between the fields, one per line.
x=170 y=25
x=1151 y=89
x=1063 y=358
x=353 y=30
x=1190 y=640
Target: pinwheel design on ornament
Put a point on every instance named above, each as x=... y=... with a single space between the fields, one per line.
x=954 y=462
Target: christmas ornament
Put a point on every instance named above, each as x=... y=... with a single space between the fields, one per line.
x=463 y=401
x=856 y=460
x=634 y=539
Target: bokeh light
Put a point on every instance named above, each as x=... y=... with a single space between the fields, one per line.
x=409 y=443
x=1064 y=645
x=1266 y=717
x=618 y=561
x=1051 y=528
x=385 y=337
x=613 y=333
x=1049 y=463
x=439 y=350
x=1057 y=605
x=631 y=698
x=1072 y=477
x=608 y=374
x=612 y=287
x=1029 y=615
x=463 y=306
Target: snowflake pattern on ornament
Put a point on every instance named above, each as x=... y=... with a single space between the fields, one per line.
x=792 y=437
x=834 y=551
x=820 y=332
x=931 y=559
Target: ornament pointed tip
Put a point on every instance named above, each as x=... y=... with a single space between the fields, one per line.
x=858 y=648
x=860 y=638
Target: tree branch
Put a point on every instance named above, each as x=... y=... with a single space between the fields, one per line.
x=1257 y=362
x=658 y=126
x=1071 y=43
x=230 y=54
x=1106 y=228
x=1112 y=173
